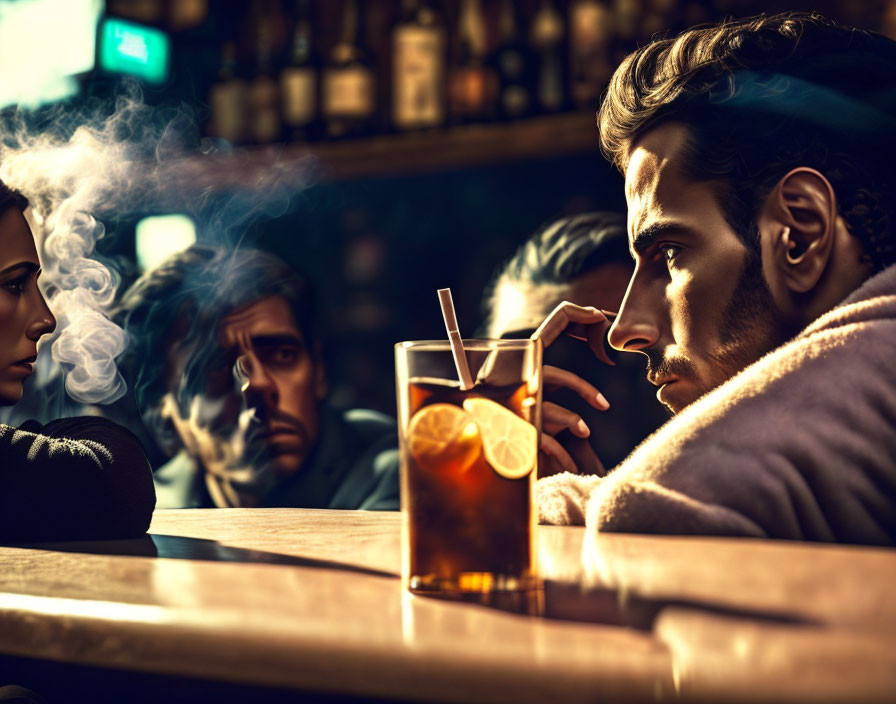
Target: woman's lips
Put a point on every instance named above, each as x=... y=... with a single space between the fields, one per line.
x=24 y=366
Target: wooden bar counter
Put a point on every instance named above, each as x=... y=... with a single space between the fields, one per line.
x=311 y=601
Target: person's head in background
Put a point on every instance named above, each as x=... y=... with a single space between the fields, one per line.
x=758 y=159
x=582 y=258
x=226 y=364
x=24 y=315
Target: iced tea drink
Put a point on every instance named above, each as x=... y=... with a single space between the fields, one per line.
x=468 y=461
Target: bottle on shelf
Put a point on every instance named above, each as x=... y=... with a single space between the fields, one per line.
x=185 y=14
x=590 y=44
x=227 y=99
x=547 y=39
x=263 y=92
x=348 y=95
x=418 y=67
x=513 y=64
x=299 y=79
x=627 y=21
x=472 y=82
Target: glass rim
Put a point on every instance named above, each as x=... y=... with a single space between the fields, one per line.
x=478 y=344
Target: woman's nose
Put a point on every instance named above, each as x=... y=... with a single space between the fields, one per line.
x=43 y=322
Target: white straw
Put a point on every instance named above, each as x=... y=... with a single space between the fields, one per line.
x=457 y=346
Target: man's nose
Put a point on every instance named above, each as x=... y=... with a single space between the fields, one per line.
x=43 y=321
x=635 y=327
x=259 y=387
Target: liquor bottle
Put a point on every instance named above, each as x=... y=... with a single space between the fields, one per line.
x=349 y=100
x=418 y=65
x=547 y=35
x=185 y=14
x=298 y=80
x=227 y=99
x=627 y=16
x=263 y=92
x=471 y=82
x=590 y=36
x=513 y=63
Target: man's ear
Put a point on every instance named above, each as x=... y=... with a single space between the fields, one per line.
x=321 y=384
x=799 y=219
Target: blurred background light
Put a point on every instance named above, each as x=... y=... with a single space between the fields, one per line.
x=160 y=236
x=134 y=50
x=44 y=44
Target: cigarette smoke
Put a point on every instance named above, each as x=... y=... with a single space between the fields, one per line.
x=100 y=165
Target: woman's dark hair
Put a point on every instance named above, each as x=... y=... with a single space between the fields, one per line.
x=11 y=199
x=762 y=96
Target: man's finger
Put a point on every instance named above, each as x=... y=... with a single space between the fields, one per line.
x=553 y=448
x=554 y=378
x=555 y=419
x=561 y=317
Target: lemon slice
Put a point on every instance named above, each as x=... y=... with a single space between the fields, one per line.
x=443 y=437
x=509 y=442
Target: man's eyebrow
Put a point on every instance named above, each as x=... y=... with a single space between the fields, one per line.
x=647 y=237
x=277 y=339
x=27 y=266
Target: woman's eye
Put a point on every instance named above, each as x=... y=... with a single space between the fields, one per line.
x=16 y=286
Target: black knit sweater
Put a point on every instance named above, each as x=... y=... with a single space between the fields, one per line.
x=73 y=479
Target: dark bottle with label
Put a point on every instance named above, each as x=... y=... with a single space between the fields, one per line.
x=263 y=92
x=548 y=33
x=590 y=45
x=513 y=63
x=418 y=67
x=472 y=82
x=299 y=95
x=227 y=98
x=348 y=96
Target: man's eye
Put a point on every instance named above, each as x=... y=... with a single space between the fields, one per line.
x=669 y=252
x=284 y=355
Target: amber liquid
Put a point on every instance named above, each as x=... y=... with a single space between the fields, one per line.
x=468 y=529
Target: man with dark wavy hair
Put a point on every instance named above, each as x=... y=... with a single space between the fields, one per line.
x=758 y=159
x=228 y=373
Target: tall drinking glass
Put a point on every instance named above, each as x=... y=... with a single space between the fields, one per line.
x=468 y=466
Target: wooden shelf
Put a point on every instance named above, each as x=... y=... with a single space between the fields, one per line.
x=390 y=155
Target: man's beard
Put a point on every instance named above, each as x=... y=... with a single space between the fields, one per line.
x=751 y=326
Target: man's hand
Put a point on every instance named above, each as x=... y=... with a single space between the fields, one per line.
x=589 y=324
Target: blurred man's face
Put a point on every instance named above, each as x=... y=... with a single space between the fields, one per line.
x=261 y=398
x=697 y=305
x=518 y=309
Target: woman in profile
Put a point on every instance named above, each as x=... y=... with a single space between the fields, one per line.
x=71 y=479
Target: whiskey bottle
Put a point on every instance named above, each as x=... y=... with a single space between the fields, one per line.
x=227 y=99
x=263 y=91
x=590 y=36
x=299 y=79
x=418 y=66
x=547 y=37
x=513 y=63
x=349 y=100
x=472 y=82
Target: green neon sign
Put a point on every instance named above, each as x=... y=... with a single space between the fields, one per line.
x=134 y=50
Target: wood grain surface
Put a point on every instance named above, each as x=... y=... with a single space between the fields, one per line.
x=311 y=600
